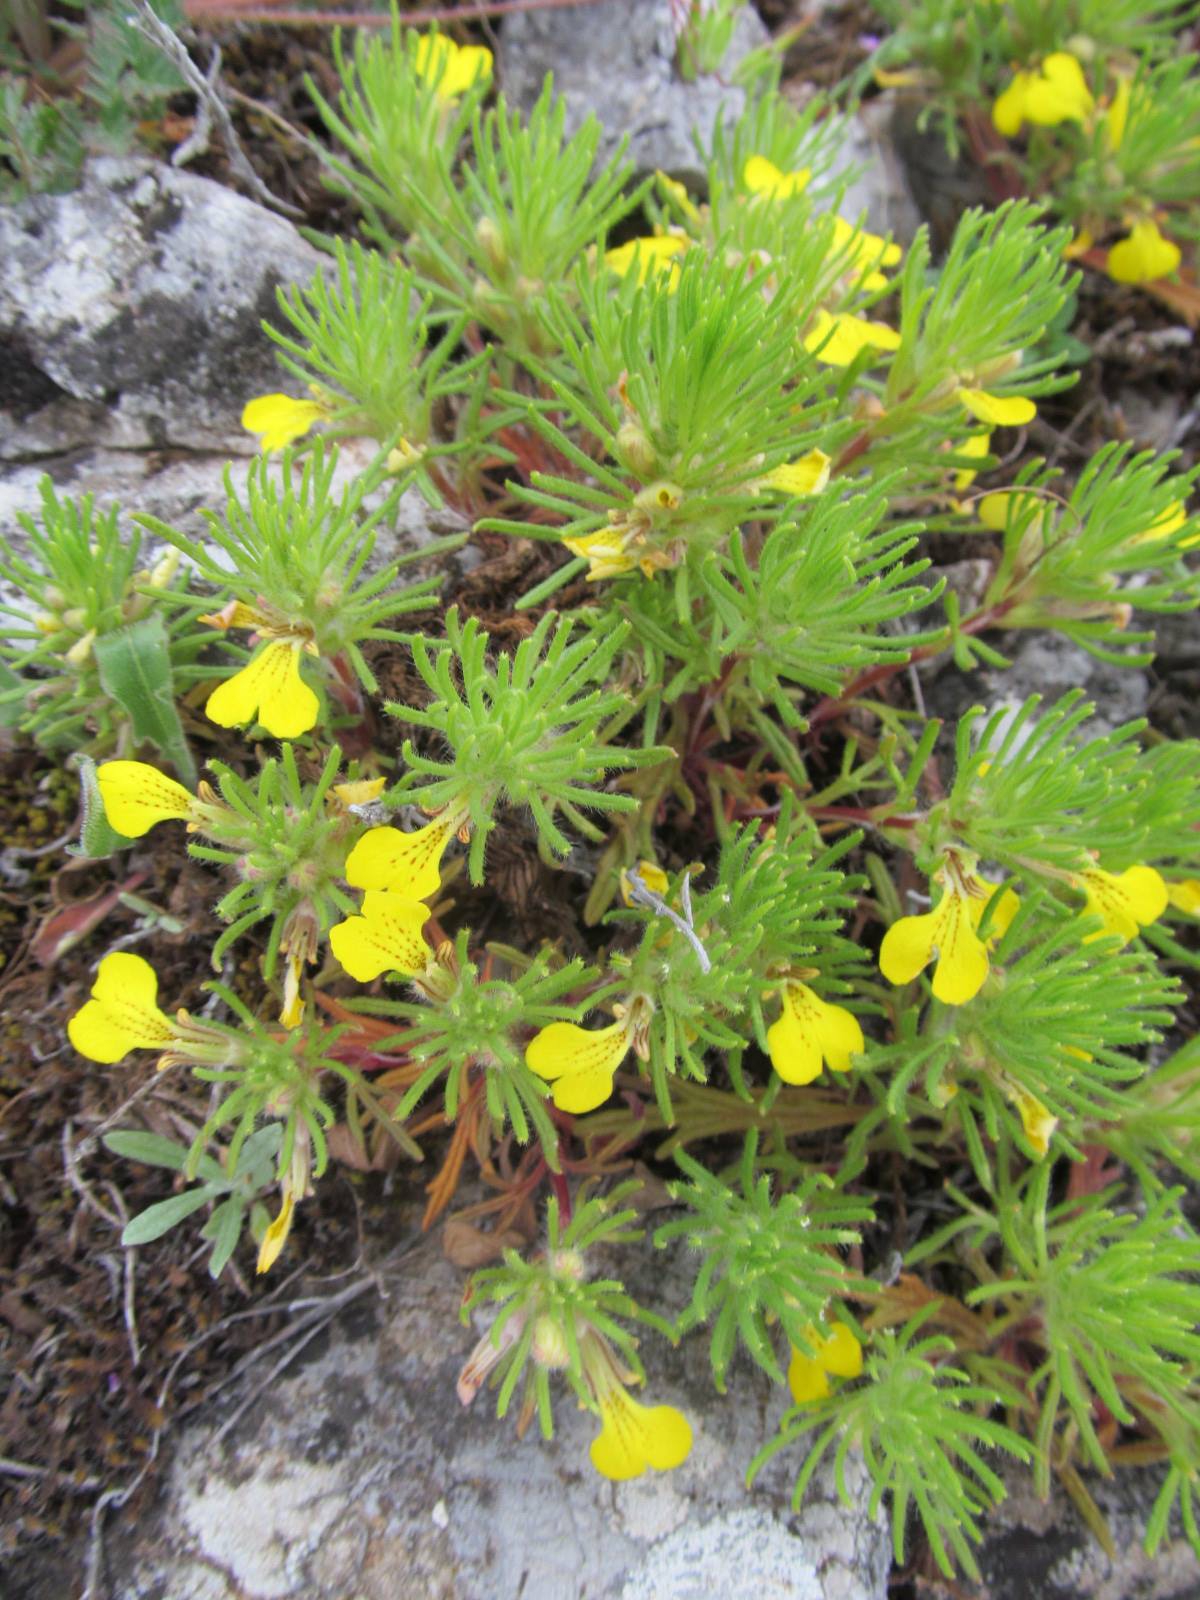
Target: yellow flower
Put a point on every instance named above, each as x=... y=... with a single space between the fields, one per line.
x=268 y=689
x=450 y=69
x=1056 y=92
x=652 y=875
x=633 y=1437
x=949 y=931
x=1185 y=896
x=763 y=177
x=837 y=1354
x=997 y=410
x=360 y=792
x=653 y=253
x=407 y=864
x=606 y=552
x=837 y=339
x=677 y=193
x=811 y=1032
x=976 y=448
x=292 y=1014
x=123 y=1013
x=1078 y=245
x=386 y=937
x=279 y=419
x=137 y=795
x=1039 y=1125
x=1125 y=901
x=864 y=253
x=1117 y=114
x=579 y=1062
x=404 y=455
x=808 y=474
x=1163 y=526
x=1144 y=256
x=275 y=1237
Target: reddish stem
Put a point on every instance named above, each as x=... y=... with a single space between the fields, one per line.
x=833 y=705
x=562 y=1193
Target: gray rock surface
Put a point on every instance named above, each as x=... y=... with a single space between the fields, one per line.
x=130 y=312
x=178 y=487
x=1041 y=663
x=617 y=61
x=360 y=1477
x=1040 y=1550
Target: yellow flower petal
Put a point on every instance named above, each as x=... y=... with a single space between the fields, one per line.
x=605 y=551
x=137 y=795
x=807 y=1378
x=1117 y=114
x=580 y=1062
x=1144 y=256
x=1039 y=1125
x=633 y=1437
x=653 y=253
x=993 y=509
x=1171 y=520
x=292 y=1014
x=998 y=410
x=949 y=929
x=679 y=195
x=275 y=1237
x=360 y=792
x=1005 y=909
x=865 y=252
x=808 y=474
x=836 y=340
x=1079 y=245
x=1185 y=896
x=1058 y=92
x=279 y=419
x=450 y=69
x=268 y=689
x=840 y=1353
x=387 y=937
x=1126 y=901
x=962 y=956
x=763 y=177
x=408 y=864
x=123 y=1013
x=809 y=1032
x=1008 y=110
x=652 y=875
x=976 y=447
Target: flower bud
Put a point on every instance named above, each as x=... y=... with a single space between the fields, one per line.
x=568 y=1264
x=491 y=242
x=549 y=1347
x=634 y=450
x=164 y=569
x=81 y=650
x=659 y=497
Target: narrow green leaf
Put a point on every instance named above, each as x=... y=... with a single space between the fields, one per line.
x=135 y=668
x=13 y=689
x=224 y=1228
x=161 y=1218
x=150 y=1148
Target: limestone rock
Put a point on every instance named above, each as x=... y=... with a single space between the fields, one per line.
x=130 y=311
x=617 y=61
x=360 y=1475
